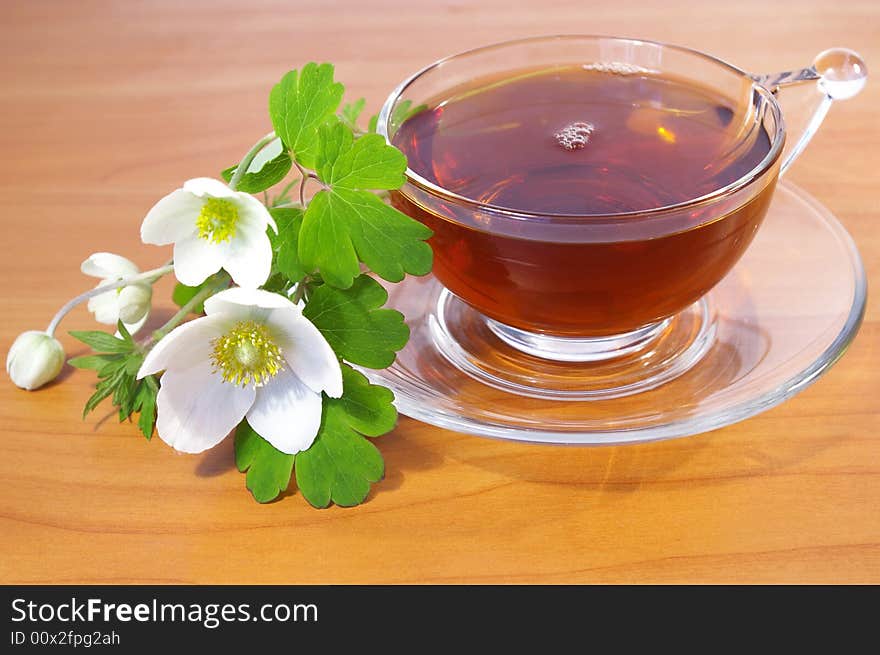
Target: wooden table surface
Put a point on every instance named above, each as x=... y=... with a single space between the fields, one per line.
x=105 y=106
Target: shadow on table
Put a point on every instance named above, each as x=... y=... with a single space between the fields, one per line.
x=217 y=460
x=735 y=452
x=403 y=455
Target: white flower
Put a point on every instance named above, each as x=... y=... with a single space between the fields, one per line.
x=34 y=359
x=130 y=304
x=212 y=227
x=253 y=355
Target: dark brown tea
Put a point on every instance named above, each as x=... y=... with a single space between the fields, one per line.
x=583 y=141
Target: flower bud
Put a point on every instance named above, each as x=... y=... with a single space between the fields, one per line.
x=129 y=304
x=34 y=359
x=134 y=302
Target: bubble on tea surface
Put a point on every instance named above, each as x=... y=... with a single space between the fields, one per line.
x=617 y=68
x=574 y=136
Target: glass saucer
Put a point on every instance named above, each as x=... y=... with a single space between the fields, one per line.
x=780 y=319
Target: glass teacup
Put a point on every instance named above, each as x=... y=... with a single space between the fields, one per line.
x=593 y=286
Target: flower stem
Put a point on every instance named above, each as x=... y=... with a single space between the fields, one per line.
x=241 y=169
x=288 y=205
x=203 y=294
x=148 y=276
x=306 y=176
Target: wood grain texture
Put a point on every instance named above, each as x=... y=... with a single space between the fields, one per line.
x=105 y=106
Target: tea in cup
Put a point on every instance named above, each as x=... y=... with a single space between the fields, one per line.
x=583 y=191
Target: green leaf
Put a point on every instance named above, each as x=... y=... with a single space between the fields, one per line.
x=182 y=294
x=284 y=196
x=104 y=388
x=124 y=333
x=102 y=341
x=124 y=394
x=367 y=163
x=94 y=362
x=268 y=469
x=342 y=225
x=112 y=366
x=339 y=467
x=147 y=406
x=354 y=326
x=341 y=464
x=373 y=124
x=352 y=111
x=368 y=407
x=271 y=173
x=300 y=103
x=345 y=224
x=133 y=363
x=285 y=244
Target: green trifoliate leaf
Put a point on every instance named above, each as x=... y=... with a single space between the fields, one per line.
x=354 y=326
x=352 y=111
x=285 y=244
x=269 y=174
x=342 y=226
x=300 y=103
x=268 y=469
x=368 y=408
x=345 y=224
x=341 y=464
x=368 y=163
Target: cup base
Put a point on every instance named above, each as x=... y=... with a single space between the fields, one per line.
x=577 y=349
x=562 y=368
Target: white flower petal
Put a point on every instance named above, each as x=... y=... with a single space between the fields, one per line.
x=306 y=351
x=134 y=328
x=205 y=186
x=172 y=218
x=105 y=307
x=286 y=413
x=134 y=302
x=196 y=409
x=108 y=265
x=185 y=346
x=196 y=259
x=253 y=212
x=250 y=259
x=233 y=300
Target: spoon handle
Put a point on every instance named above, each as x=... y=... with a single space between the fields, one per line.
x=839 y=74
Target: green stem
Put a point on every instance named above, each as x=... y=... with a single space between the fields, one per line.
x=203 y=294
x=148 y=276
x=300 y=292
x=288 y=205
x=241 y=169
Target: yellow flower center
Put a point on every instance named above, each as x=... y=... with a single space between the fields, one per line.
x=217 y=220
x=246 y=355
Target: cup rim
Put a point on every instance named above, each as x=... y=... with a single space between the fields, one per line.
x=777 y=144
